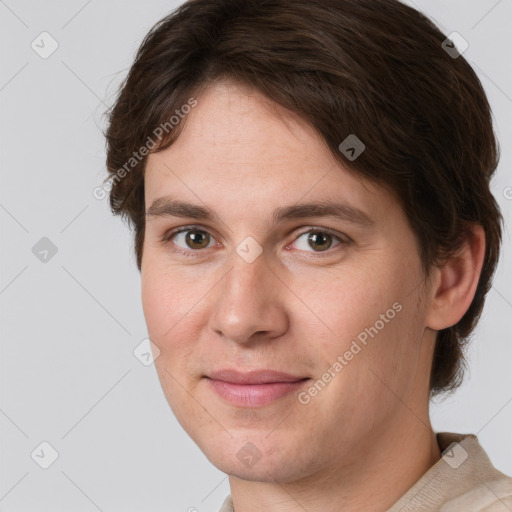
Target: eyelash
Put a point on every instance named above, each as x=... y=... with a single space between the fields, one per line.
x=167 y=239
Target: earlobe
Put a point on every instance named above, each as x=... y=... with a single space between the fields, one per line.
x=456 y=282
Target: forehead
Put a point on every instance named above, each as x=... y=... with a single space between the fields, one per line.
x=233 y=123
x=239 y=149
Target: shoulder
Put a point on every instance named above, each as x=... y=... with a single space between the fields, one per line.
x=488 y=496
x=464 y=479
x=490 y=490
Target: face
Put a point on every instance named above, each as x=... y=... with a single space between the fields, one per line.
x=290 y=336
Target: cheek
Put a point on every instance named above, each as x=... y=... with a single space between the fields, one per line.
x=154 y=306
x=172 y=310
x=348 y=302
x=169 y=320
x=166 y=300
x=370 y=318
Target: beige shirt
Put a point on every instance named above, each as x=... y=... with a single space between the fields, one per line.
x=463 y=480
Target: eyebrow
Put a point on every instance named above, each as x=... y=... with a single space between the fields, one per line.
x=168 y=207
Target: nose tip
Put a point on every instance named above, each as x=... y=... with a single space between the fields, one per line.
x=247 y=307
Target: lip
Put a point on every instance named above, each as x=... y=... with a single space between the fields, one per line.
x=255 y=388
x=253 y=376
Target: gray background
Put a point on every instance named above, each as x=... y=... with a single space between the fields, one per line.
x=69 y=325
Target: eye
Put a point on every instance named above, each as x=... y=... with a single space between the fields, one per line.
x=317 y=239
x=190 y=238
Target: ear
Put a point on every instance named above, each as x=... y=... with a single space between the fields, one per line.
x=455 y=282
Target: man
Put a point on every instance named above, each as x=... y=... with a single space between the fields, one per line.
x=316 y=236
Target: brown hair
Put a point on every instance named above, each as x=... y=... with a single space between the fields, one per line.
x=373 y=68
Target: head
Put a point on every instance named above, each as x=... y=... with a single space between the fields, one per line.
x=265 y=117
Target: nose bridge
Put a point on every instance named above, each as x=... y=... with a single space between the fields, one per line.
x=247 y=302
x=244 y=288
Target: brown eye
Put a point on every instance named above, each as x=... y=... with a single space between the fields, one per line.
x=197 y=241
x=318 y=240
x=190 y=239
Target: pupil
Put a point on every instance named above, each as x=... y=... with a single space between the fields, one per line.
x=196 y=238
x=315 y=237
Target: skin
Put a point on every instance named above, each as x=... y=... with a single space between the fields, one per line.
x=366 y=437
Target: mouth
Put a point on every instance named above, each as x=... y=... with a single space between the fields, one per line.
x=255 y=388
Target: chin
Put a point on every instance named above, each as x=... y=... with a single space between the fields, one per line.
x=261 y=461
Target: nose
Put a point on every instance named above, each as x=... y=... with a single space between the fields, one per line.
x=250 y=303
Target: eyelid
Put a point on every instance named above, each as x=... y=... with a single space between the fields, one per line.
x=319 y=229
x=168 y=235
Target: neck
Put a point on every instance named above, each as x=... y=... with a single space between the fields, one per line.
x=382 y=467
